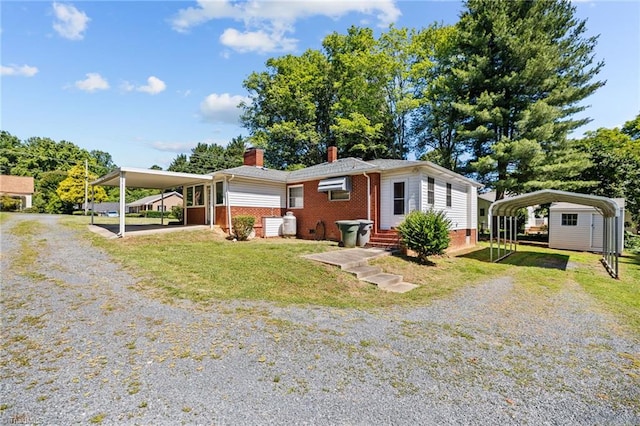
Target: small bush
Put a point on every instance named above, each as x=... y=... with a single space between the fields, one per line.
x=242 y=226
x=632 y=242
x=154 y=214
x=177 y=212
x=30 y=210
x=9 y=204
x=426 y=233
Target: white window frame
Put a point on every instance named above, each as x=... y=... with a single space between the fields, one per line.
x=216 y=194
x=301 y=198
x=431 y=190
x=569 y=219
x=332 y=195
x=449 y=199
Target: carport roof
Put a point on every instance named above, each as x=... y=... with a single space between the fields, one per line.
x=148 y=178
x=509 y=206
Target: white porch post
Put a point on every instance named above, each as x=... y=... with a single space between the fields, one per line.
x=211 y=205
x=123 y=189
x=93 y=203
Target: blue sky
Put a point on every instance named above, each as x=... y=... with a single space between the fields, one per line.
x=147 y=80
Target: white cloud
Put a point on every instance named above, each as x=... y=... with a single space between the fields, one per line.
x=267 y=22
x=93 y=82
x=222 y=108
x=153 y=87
x=259 y=41
x=70 y=22
x=177 y=147
x=24 y=70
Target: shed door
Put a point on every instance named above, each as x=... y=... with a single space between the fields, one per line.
x=597 y=228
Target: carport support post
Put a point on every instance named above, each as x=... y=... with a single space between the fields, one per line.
x=162 y=207
x=617 y=253
x=93 y=198
x=123 y=189
x=211 y=204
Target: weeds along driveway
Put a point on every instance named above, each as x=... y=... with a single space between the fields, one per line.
x=81 y=345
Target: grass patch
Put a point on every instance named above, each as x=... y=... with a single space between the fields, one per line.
x=201 y=266
x=25 y=257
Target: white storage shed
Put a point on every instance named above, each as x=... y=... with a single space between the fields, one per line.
x=580 y=227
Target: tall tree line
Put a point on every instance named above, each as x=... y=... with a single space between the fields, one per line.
x=493 y=96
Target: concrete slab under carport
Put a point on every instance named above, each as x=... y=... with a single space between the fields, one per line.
x=111 y=230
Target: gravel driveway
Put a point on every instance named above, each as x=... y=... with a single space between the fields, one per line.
x=81 y=344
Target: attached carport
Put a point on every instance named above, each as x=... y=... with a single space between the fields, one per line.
x=128 y=177
x=506 y=211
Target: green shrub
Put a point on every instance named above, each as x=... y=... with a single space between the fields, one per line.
x=177 y=212
x=426 y=233
x=30 y=210
x=242 y=226
x=154 y=214
x=9 y=204
x=632 y=242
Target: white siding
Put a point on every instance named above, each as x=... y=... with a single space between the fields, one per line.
x=570 y=237
x=253 y=193
x=461 y=212
x=272 y=226
x=586 y=236
x=412 y=192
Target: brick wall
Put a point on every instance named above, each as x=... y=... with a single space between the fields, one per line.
x=317 y=207
x=459 y=238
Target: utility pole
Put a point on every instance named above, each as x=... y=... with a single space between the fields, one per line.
x=86 y=186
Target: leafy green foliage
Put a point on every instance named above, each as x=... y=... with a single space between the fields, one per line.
x=524 y=66
x=242 y=226
x=9 y=204
x=72 y=188
x=615 y=165
x=426 y=233
x=177 y=212
x=632 y=242
x=206 y=158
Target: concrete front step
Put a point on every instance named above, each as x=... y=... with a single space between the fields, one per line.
x=383 y=279
x=401 y=287
x=365 y=271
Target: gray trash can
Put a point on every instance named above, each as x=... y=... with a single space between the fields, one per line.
x=348 y=232
x=364 y=232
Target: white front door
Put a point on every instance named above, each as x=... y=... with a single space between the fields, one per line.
x=597 y=228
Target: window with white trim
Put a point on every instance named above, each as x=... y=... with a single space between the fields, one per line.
x=431 y=183
x=448 y=195
x=398 y=198
x=295 y=197
x=219 y=188
x=195 y=196
x=569 y=219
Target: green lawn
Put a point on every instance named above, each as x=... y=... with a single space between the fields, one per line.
x=202 y=266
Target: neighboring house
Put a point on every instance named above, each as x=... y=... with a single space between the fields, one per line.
x=580 y=227
x=383 y=191
x=21 y=187
x=158 y=202
x=532 y=225
x=103 y=208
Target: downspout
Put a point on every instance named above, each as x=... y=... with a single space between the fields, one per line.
x=226 y=193
x=368 y=195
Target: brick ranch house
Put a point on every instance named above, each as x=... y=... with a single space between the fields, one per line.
x=382 y=190
x=379 y=190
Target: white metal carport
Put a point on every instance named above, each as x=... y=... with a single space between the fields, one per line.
x=507 y=209
x=149 y=179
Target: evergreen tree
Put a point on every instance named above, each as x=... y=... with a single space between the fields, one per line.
x=524 y=66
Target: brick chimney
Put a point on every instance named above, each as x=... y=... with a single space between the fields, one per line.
x=254 y=157
x=332 y=154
